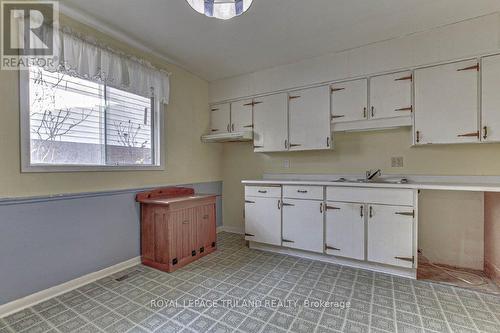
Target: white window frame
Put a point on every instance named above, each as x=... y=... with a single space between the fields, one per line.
x=25 y=130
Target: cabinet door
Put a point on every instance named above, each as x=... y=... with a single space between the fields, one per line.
x=390 y=95
x=270 y=123
x=220 y=118
x=446 y=103
x=241 y=116
x=303 y=225
x=263 y=220
x=182 y=234
x=309 y=114
x=490 y=108
x=205 y=226
x=345 y=230
x=390 y=235
x=349 y=100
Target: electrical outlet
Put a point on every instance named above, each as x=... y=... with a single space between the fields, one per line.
x=286 y=164
x=397 y=161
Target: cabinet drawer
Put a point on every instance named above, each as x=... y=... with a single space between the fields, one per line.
x=392 y=196
x=303 y=192
x=263 y=191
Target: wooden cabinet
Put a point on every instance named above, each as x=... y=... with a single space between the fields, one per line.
x=220 y=118
x=345 y=230
x=263 y=219
x=391 y=95
x=349 y=101
x=309 y=119
x=490 y=99
x=271 y=123
x=303 y=224
x=177 y=227
x=241 y=116
x=390 y=235
x=446 y=103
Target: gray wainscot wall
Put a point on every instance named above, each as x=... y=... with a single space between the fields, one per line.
x=46 y=241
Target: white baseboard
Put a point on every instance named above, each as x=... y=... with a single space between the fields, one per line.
x=231 y=229
x=38 y=297
x=410 y=273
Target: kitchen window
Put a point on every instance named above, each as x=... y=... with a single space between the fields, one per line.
x=70 y=123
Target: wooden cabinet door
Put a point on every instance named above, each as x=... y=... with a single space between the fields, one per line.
x=309 y=119
x=303 y=225
x=182 y=233
x=490 y=99
x=270 y=123
x=241 y=116
x=446 y=103
x=390 y=235
x=263 y=220
x=349 y=100
x=345 y=230
x=390 y=96
x=205 y=218
x=220 y=118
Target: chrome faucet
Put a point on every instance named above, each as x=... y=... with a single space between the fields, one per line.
x=372 y=174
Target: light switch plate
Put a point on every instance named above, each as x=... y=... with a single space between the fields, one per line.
x=397 y=161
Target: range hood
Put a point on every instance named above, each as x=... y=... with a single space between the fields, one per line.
x=228 y=137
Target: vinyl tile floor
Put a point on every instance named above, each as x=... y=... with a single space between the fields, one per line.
x=236 y=289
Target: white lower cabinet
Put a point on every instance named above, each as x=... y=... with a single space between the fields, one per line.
x=390 y=235
x=263 y=220
x=303 y=224
x=345 y=230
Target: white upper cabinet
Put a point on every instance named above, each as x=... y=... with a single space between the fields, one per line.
x=446 y=103
x=220 y=118
x=345 y=230
x=241 y=116
x=390 y=235
x=390 y=95
x=303 y=224
x=490 y=99
x=270 y=120
x=309 y=119
x=349 y=101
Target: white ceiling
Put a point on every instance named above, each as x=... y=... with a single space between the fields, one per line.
x=272 y=32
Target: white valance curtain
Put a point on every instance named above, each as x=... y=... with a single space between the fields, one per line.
x=81 y=56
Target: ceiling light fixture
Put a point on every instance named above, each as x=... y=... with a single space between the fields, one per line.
x=221 y=9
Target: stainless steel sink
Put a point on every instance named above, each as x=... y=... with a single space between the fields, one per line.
x=372 y=181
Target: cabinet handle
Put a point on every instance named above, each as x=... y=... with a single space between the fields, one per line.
x=214 y=110
x=327 y=247
x=361 y=211
x=287 y=241
x=485 y=132
x=321 y=207
x=418 y=136
x=185 y=222
x=410 y=259
x=215 y=129
x=248 y=201
x=286 y=144
x=371 y=212
x=286 y=204
x=373 y=111
x=295 y=145
x=412 y=213
x=228 y=128
x=476 y=67
x=336 y=89
x=328 y=141
x=409 y=108
x=279 y=204
x=302 y=191
x=469 y=135
x=232 y=127
x=255 y=147
x=248 y=126
x=293 y=97
x=249 y=235
x=205 y=216
x=364 y=112
x=262 y=191
x=338 y=116
x=257 y=102
x=332 y=208
x=405 y=78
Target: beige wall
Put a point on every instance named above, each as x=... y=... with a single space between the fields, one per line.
x=492 y=236
x=187 y=159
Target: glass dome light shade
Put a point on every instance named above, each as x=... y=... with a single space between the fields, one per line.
x=221 y=9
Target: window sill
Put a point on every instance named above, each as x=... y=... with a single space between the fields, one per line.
x=88 y=168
